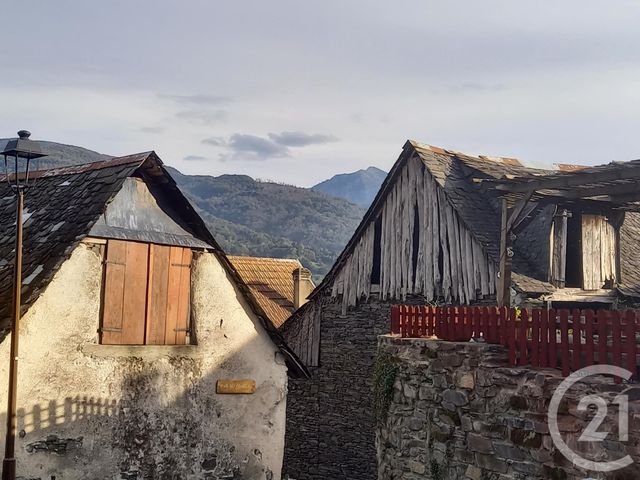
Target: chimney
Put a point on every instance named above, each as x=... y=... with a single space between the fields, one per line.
x=302 y=286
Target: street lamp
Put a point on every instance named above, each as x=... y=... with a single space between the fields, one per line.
x=18 y=154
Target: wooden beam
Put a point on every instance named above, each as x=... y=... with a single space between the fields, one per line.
x=601 y=190
x=517 y=211
x=579 y=295
x=559 y=253
x=627 y=171
x=504 y=283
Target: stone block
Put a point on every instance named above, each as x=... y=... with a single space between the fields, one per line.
x=525 y=438
x=417 y=467
x=508 y=451
x=414 y=424
x=456 y=397
x=492 y=463
x=478 y=443
x=466 y=381
x=473 y=473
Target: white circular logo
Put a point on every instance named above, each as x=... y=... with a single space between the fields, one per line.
x=591 y=433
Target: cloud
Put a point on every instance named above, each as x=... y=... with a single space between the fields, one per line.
x=197 y=99
x=216 y=141
x=151 y=129
x=300 y=139
x=470 y=87
x=252 y=147
x=203 y=117
x=241 y=146
x=194 y=158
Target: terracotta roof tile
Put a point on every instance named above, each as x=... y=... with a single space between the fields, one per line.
x=270 y=281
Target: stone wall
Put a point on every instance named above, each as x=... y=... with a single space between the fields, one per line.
x=457 y=411
x=89 y=411
x=330 y=430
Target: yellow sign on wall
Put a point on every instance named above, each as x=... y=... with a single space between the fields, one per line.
x=236 y=386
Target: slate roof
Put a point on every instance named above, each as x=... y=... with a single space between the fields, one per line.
x=270 y=281
x=630 y=255
x=59 y=210
x=63 y=205
x=455 y=172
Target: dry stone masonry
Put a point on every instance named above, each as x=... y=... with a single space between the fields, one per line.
x=458 y=411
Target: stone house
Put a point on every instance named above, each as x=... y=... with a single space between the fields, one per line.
x=433 y=235
x=138 y=335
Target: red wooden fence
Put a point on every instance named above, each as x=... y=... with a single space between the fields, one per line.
x=569 y=340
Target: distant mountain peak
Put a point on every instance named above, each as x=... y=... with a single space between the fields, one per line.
x=358 y=187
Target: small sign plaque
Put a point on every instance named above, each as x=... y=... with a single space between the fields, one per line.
x=236 y=386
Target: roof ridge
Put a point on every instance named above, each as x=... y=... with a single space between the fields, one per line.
x=499 y=159
x=297 y=260
x=85 y=167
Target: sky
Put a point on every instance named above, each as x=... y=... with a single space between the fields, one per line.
x=297 y=91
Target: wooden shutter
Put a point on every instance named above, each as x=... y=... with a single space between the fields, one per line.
x=179 y=296
x=125 y=293
x=158 y=294
x=598 y=252
x=147 y=294
x=168 y=310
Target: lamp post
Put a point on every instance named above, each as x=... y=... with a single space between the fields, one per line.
x=19 y=152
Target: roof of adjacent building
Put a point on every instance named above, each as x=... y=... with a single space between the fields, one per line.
x=458 y=175
x=455 y=173
x=60 y=210
x=270 y=281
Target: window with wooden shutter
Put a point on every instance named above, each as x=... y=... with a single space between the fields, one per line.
x=147 y=294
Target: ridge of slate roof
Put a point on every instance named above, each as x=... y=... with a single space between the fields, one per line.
x=270 y=281
x=455 y=173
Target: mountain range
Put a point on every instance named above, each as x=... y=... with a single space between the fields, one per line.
x=358 y=187
x=250 y=217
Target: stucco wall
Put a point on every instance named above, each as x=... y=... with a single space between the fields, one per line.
x=103 y=412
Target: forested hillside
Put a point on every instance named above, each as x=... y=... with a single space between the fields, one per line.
x=249 y=217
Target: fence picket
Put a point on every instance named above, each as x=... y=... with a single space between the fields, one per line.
x=477 y=313
x=511 y=338
x=616 y=342
x=493 y=325
x=553 y=339
x=544 y=338
x=522 y=334
x=576 y=324
x=602 y=337
x=395 y=319
x=535 y=338
x=631 y=346
x=532 y=337
x=564 y=341
x=588 y=338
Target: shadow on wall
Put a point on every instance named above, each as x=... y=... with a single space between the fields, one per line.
x=149 y=433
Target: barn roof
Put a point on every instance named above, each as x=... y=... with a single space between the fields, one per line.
x=62 y=207
x=458 y=174
x=270 y=281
